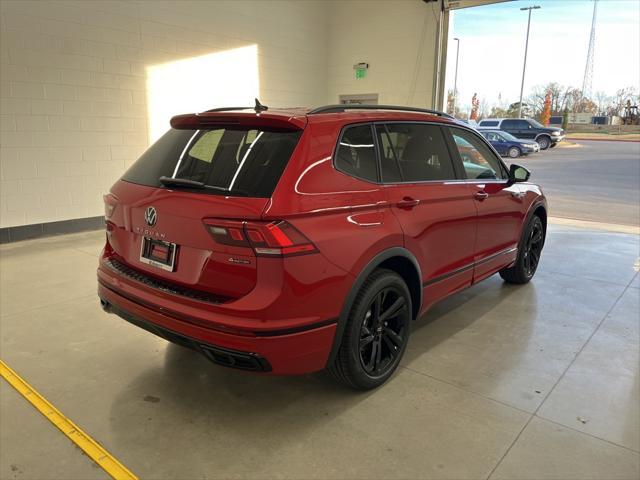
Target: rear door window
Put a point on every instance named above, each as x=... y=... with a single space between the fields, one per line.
x=235 y=161
x=510 y=124
x=489 y=123
x=356 y=153
x=413 y=152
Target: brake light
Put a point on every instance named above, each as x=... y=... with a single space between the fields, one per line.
x=272 y=239
x=110 y=203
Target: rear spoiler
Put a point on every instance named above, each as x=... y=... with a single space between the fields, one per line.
x=259 y=120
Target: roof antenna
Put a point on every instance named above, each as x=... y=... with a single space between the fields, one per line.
x=259 y=107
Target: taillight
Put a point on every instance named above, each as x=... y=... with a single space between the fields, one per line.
x=228 y=233
x=110 y=203
x=272 y=239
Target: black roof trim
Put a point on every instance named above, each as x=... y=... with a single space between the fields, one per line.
x=227 y=109
x=400 y=108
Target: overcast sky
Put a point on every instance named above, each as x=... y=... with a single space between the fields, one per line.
x=492 y=42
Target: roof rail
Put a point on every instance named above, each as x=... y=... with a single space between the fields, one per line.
x=354 y=106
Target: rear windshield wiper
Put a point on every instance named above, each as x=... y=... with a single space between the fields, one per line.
x=180 y=182
x=185 y=182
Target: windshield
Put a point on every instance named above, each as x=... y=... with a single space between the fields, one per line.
x=241 y=160
x=535 y=123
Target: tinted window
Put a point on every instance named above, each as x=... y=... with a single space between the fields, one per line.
x=248 y=162
x=478 y=160
x=489 y=123
x=356 y=154
x=413 y=153
x=389 y=164
x=491 y=136
x=510 y=124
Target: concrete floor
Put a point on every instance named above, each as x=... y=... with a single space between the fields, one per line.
x=531 y=382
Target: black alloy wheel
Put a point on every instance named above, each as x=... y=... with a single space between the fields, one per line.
x=533 y=248
x=382 y=333
x=529 y=252
x=376 y=332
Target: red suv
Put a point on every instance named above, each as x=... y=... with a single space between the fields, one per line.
x=290 y=241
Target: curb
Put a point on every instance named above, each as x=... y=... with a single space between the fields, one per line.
x=567 y=144
x=575 y=139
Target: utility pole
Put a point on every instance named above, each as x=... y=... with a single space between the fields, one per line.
x=588 y=69
x=455 y=78
x=526 y=48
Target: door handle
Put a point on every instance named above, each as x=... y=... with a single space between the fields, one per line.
x=480 y=196
x=407 y=203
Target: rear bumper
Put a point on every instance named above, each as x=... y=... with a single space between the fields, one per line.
x=267 y=351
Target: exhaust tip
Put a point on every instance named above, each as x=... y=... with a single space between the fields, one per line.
x=106 y=306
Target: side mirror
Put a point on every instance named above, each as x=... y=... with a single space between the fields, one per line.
x=518 y=173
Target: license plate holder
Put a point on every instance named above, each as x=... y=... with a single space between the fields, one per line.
x=158 y=253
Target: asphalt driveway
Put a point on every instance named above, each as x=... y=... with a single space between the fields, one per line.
x=590 y=180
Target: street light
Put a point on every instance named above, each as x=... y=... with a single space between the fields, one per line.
x=455 y=79
x=526 y=47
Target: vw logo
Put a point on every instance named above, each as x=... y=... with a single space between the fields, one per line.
x=150 y=216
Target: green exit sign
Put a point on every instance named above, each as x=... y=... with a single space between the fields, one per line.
x=361 y=70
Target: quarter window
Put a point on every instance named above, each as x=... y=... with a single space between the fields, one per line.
x=413 y=152
x=477 y=158
x=356 y=154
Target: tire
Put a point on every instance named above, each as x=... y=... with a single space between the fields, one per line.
x=544 y=142
x=514 y=152
x=372 y=347
x=529 y=251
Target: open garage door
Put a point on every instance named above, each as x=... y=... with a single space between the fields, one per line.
x=441 y=43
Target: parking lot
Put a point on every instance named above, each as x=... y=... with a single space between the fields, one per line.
x=590 y=180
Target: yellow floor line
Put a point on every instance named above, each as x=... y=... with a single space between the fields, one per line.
x=99 y=455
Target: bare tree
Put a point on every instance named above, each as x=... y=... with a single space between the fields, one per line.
x=602 y=100
x=620 y=100
x=484 y=108
x=560 y=96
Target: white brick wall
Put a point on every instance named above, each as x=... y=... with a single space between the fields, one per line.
x=387 y=36
x=73 y=78
x=73 y=106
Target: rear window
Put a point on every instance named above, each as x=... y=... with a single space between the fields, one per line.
x=245 y=162
x=489 y=123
